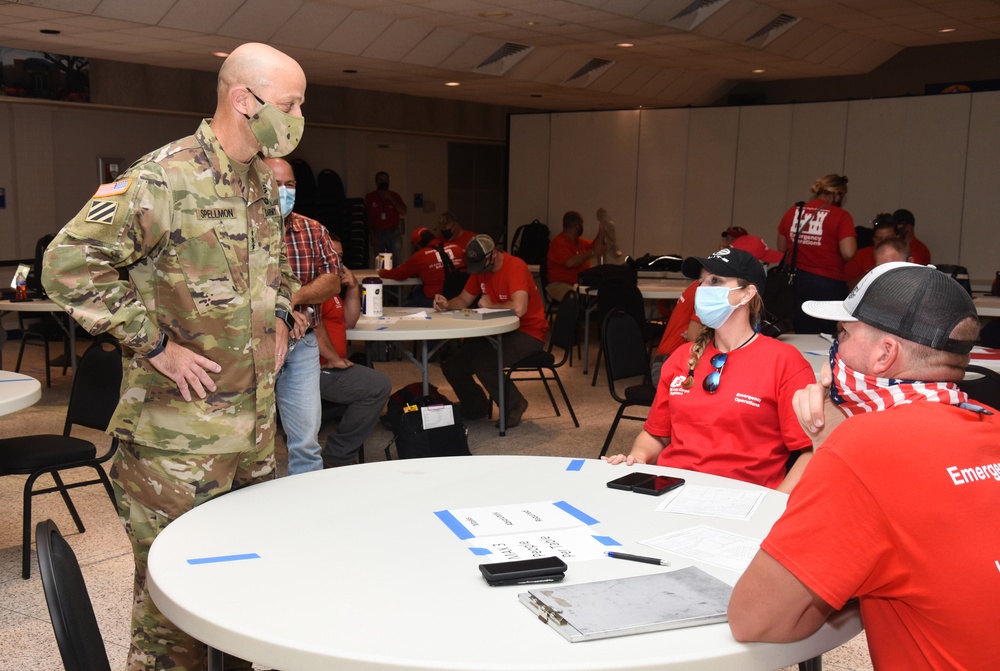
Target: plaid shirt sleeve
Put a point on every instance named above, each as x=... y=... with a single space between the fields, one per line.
x=310 y=252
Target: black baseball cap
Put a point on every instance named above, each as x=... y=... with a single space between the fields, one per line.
x=918 y=303
x=477 y=252
x=728 y=262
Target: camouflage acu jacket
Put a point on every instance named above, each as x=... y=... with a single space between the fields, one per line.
x=206 y=266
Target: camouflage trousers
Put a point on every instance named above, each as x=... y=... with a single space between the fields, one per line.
x=153 y=487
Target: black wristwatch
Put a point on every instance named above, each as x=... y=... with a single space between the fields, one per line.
x=286 y=317
x=160 y=346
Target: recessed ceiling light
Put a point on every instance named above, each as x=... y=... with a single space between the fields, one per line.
x=350 y=72
x=453 y=83
x=495 y=15
x=758 y=71
x=625 y=44
x=219 y=54
x=50 y=31
x=536 y=95
x=533 y=23
x=947 y=30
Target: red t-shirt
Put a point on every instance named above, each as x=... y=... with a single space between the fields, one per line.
x=382 y=212
x=920 y=253
x=426 y=263
x=560 y=249
x=823 y=227
x=859 y=265
x=333 y=319
x=680 y=319
x=500 y=286
x=462 y=240
x=745 y=430
x=899 y=509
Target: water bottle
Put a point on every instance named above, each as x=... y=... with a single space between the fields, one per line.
x=21 y=287
x=371 y=297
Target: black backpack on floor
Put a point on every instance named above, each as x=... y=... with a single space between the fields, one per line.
x=404 y=418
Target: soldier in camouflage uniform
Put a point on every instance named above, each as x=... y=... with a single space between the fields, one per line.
x=205 y=314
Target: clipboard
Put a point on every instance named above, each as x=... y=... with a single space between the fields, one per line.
x=483 y=313
x=687 y=597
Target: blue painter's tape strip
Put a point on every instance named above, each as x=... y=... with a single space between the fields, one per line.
x=481 y=551
x=606 y=540
x=575 y=465
x=452 y=523
x=223 y=558
x=576 y=512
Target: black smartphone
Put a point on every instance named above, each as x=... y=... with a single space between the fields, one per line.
x=661 y=484
x=524 y=571
x=630 y=481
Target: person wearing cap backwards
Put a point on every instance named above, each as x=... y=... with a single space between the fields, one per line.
x=724 y=402
x=500 y=280
x=883 y=228
x=730 y=234
x=427 y=263
x=823 y=237
x=684 y=325
x=906 y=220
x=898 y=506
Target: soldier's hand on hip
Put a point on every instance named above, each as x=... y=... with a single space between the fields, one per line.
x=187 y=369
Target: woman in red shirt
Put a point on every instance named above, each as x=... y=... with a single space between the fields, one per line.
x=823 y=237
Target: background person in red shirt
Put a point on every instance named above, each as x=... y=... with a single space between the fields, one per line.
x=385 y=210
x=500 y=280
x=825 y=237
x=450 y=230
x=906 y=220
x=427 y=264
x=569 y=254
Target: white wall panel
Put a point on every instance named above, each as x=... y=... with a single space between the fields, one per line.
x=661 y=182
x=980 y=224
x=819 y=132
x=711 y=172
x=762 y=158
x=875 y=156
x=592 y=164
x=528 y=170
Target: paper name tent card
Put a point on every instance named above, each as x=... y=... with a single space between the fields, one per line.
x=484 y=313
x=588 y=611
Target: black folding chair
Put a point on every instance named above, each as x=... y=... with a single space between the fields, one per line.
x=625 y=357
x=984 y=387
x=95 y=394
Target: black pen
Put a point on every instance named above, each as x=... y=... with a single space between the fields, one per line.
x=644 y=560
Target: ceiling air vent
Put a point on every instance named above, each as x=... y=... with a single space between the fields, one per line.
x=694 y=14
x=594 y=68
x=504 y=58
x=771 y=31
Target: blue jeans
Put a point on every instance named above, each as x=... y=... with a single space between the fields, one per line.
x=297 y=392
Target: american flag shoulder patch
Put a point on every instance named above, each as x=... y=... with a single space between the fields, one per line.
x=113 y=188
x=101 y=211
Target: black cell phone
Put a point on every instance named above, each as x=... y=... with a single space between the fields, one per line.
x=630 y=481
x=661 y=484
x=524 y=571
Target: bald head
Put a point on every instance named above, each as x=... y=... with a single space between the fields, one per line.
x=256 y=66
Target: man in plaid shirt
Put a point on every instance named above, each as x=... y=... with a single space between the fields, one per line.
x=315 y=262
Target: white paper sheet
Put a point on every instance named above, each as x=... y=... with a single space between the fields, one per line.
x=515 y=518
x=575 y=544
x=707 y=544
x=385 y=321
x=436 y=416
x=417 y=316
x=734 y=504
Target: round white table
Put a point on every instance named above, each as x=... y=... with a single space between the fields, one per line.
x=355 y=571
x=987 y=306
x=17 y=391
x=399 y=284
x=442 y=326
x=65 y=322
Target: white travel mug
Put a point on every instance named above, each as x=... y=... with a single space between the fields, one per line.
x=384 y=261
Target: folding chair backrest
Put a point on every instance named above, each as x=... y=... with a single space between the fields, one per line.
x=985 y=389
x=563 y=332
x=96 y=386
x=624 y=348
x=77 y=634
x=624 y=295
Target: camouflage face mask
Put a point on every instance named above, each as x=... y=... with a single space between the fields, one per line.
x=277 y=132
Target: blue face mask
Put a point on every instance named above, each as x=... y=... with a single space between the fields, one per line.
x=712 y=306
x=287 y=197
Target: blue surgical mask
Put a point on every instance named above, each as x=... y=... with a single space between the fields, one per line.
x=287 y=197
x=712 y=305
